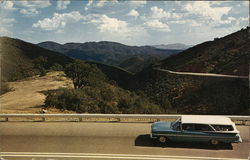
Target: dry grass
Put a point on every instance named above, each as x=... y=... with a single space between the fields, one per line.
x=27 y=95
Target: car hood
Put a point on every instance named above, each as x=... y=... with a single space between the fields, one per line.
x=161 y=126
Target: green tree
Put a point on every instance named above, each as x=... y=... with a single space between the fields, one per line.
x=84 y=74
x=40 y=64
x=57 y=67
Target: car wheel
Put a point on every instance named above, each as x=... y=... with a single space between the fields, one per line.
x=163 y=139
x=214 y=142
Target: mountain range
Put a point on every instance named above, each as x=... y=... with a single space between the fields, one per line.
x=111 y=53
x=177 y=46
x=175 y=93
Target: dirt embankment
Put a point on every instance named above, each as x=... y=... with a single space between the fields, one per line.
x=27 y=95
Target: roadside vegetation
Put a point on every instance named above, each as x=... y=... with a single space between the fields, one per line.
x=4 y=88
x=94 y=93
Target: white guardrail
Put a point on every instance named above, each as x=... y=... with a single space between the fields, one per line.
x=245 y=120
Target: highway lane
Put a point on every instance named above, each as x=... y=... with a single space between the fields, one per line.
x=130 y=139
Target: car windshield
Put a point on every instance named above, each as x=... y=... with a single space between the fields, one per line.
x=176 y=125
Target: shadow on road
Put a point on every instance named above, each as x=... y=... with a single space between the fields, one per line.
x=146 y=141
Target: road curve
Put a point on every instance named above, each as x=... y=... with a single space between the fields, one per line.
x=113 y=140
x=202 y=74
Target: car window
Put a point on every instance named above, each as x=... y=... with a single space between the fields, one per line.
x=223 y=127
x=202 y=127
x=176 y=126
x=188 y=127
x=196 y=127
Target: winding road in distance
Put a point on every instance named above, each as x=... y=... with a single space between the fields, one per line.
x=109 y=141
x=202 y=74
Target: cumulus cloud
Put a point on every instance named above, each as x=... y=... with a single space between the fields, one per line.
x=112 y=25
x=157 y=25
x=58 y=21
x=88 y=5
x=99 y=3
x=33 y=4
x=114 y=29
x=29 y=8
x=5 y=24
x=62 y=4
x=137 y=4
x=204 y=9
x=6 y=5
x=133 y=13
x=159 y=13
x=29 y=12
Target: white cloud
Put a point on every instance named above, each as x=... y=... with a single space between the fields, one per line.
x=58 y=21
x=137 y=4
x=99 y=3
x=33 y=4
x=113 y=29
x=62 y=4
x=7 y=21
x=204 y=9
x=4 y=31
x=244 y=18
x=88 y=5
x=29 y=12
x=6 y=5
x=157 y=25
x=30 y=7
x=159 y=13
x=5 y=24
x=133 y=13
x=112 y=25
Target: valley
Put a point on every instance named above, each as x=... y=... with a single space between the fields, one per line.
x=131 y=86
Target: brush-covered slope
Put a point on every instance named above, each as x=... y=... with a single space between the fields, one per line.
x=20 y=59
x=226 y=55
x=137 y=63
x=116 y=74
x=196 y=94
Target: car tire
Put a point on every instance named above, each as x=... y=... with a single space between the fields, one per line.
x=214 y=142
x=162 y=139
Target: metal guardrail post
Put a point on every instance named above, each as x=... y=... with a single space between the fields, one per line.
x=43 y=119
x=80 y=119
x=118 y=119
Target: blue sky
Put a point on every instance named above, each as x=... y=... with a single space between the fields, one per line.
x=128 y=22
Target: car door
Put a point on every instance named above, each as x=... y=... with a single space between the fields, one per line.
x=196 y=132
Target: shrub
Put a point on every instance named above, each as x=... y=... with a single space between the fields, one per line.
x=84 y=74
x=4 y=88
x=57 y=67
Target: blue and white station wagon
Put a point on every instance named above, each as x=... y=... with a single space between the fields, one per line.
x=194 y=128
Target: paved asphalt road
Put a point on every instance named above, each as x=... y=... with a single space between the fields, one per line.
x=202 y=74
x=81 y=140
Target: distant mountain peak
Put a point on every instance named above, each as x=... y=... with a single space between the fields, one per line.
x=177 y=46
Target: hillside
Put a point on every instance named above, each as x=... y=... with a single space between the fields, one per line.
x=196 y=94
x=137 y=63
x=27 y=94
x=116 y=74
x=226 y=55
x=20 y=59
x=110 y=53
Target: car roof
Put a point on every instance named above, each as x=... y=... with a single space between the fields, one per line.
x=200 y=119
